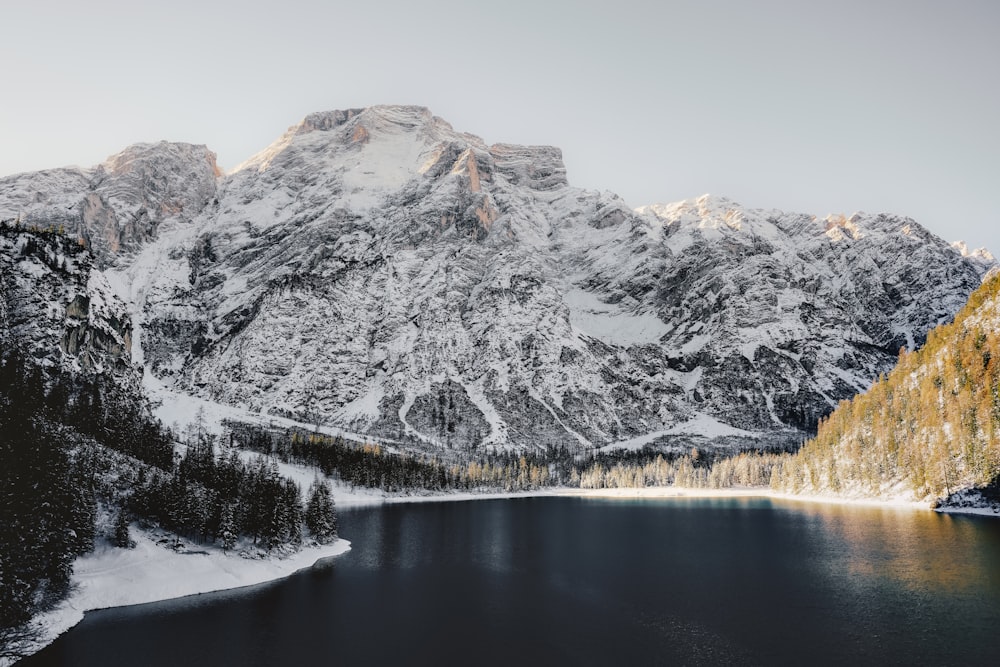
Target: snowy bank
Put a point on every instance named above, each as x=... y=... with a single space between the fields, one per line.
x=743 y=492
x=977 y=511
x=651 y=493
x=346 y=499
x=113 y=577
x=984 y=509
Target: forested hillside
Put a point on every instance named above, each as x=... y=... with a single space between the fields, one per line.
x=928 y=429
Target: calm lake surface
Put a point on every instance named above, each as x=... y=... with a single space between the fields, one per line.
x=591 y=581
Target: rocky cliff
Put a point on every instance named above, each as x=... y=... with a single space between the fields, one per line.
x=59 y=310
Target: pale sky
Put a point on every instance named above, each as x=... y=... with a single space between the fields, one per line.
x=819 y=108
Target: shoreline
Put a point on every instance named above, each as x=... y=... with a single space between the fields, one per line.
x=751 y=492
x=669 y=492
x=112 y=577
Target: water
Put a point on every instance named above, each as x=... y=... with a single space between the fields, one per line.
x=603 y=582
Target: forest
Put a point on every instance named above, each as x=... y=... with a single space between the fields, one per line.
x=378 y=467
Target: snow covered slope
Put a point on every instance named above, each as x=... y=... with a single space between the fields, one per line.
x=378 y=270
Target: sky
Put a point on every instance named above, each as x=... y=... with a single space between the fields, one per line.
x=832 y=107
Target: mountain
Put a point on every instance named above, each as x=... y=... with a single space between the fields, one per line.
x=928 y=430
x=376 y=269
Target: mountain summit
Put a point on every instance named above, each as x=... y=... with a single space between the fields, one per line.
x=376 y=269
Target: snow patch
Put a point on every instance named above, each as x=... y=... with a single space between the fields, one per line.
x=112 y=577
x=365 y=407
x=700 y=424
x=608 y=323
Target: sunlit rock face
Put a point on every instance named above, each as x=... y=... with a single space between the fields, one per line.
x=117 y=206
x=376 y=269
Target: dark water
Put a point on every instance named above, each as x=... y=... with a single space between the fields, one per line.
x=595 y=582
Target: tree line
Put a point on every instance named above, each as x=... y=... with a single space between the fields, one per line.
x=373 y=466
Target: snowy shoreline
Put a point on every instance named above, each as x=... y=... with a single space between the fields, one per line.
x=749 y=492
x=114 y=577
x=668 y=492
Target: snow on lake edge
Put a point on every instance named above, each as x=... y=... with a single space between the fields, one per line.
x=112 y=577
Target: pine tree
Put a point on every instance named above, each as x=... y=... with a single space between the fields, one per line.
x=227 y=527
x=321 y=515
x=122 y=538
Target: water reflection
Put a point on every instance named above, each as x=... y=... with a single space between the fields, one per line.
x=920 y=550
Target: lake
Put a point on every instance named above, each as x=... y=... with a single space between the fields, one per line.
x=557 y=580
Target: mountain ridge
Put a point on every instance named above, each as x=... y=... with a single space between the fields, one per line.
x=378 y=270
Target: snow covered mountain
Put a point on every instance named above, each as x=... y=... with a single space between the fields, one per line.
x=118 y=205
x=376 y=269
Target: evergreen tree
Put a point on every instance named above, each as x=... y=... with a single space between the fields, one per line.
x=228 y=531
x=321 y=515
x=122 y=538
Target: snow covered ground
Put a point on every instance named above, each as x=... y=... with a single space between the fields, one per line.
x=113 y=577
x=177 y=410
x=978 y=511
x=700 y=424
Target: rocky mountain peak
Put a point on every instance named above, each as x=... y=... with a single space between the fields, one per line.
x=171 y=177
x=118 y=205
x=705 y=212
x=978 y=253
x=153 y=158
x=537 y=167
x=981 y=257
x=838 y=227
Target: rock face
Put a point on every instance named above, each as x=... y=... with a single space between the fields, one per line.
x=117 y=206
x=60 y=310
x=376 y=269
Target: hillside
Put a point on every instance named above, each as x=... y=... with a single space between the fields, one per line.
x=928 y=430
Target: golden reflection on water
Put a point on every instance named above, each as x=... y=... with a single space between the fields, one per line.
x=920 y=549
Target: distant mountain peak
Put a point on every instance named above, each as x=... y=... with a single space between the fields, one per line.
x=982 y=253
x=839 y=226
x=152 y=155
